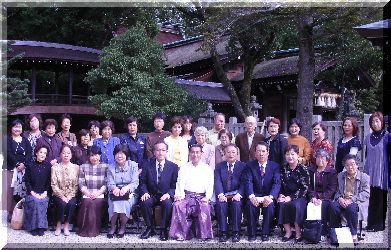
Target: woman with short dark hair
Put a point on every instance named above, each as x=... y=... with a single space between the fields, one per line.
x=64 y=182
x=377 y=164
x=18 y=155
x=92 y=184
x=320 y=142
x=49 y=140
x=37 y=180
x=323 y=185
x=107 y=142
x=177 y=151
x=122 y=182
x=65 y=135
x=292 y=198
x=135 y=141
x=80 y=151
x=188 y=130
x=276 y=141
x=295 y=138
x=93 y=127
x=225 y=137
x=349 y=142
x=34 y=132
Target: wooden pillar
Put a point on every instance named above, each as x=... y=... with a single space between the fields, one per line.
x=71 y=77
x=285 y=110
x=33 y=83
x=56 y=75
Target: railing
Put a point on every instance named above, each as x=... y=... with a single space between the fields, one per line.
x=232 y=125
x=333 y=133
x=57 y=99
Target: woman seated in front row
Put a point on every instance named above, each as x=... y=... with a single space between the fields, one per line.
x=323 y=185
x=64 y=181
x=37 y=179
x=122 y=182
x=92 y=184
x=292 y=198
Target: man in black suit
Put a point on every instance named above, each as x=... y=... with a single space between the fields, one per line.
x=157 y=186
x=262 y=184
x=229 y=190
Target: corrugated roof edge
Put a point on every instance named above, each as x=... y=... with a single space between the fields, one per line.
x=183 y=42
x=56 y=45
x=199 y=83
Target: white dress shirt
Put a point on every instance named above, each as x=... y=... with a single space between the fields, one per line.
x=250 y=139
x=199 y=179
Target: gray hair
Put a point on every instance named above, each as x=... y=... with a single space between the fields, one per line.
x=322 y=153
x=201 y=130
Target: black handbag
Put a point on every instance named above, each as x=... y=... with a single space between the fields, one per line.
x=119 y=197
x=312 y=231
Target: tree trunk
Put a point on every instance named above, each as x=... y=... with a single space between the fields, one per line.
x=245 y=91
x=227 y=84
x=306 y=65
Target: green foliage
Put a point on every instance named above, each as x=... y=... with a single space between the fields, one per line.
x=15 y=95
x=130 y=79
x=14 y=91
x=89 y=27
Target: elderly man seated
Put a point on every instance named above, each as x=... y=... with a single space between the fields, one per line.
x=352 y=197
x=194 y=189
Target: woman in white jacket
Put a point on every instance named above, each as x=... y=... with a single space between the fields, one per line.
x=178 y=151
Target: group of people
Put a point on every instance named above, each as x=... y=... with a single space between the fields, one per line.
x=195 y=174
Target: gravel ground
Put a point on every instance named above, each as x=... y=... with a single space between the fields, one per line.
x=22 y=239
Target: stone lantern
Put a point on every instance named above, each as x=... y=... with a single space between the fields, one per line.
x=254 y=106
x=208 y=115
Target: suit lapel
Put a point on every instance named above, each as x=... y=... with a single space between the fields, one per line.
x=153 y=171
x=246 y=142
x=166 y=170
x=224 y=175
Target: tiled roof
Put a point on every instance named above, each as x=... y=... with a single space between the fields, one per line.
x=208 y=91
x=54 y=51
x=189 y=50
x=282 y=67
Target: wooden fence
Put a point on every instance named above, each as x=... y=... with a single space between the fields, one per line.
x=334 y=130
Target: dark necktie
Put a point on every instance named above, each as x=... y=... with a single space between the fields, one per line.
x=159 y=172
x=262 y=169
x=229 y=180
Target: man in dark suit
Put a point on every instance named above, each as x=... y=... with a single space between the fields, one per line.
x=157 y=186
x=262 y=184
x=229 y=190
x=247 y=141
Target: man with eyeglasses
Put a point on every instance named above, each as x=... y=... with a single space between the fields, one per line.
x=157 y=187
x=229 y=190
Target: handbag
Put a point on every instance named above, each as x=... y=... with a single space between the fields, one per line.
x=312 y=231
x=17 y=216
x=124 y=197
